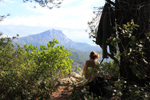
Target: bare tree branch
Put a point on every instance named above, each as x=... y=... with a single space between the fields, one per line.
x=109 y=1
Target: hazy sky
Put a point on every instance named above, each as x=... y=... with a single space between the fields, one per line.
x=71 y=18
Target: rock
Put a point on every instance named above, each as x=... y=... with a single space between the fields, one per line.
x=68 y=80
x=75 y=75
x=71 y=79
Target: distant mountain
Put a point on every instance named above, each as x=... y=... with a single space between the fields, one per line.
x=44 y=37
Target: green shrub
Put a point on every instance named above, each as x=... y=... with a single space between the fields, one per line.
x=28 y=73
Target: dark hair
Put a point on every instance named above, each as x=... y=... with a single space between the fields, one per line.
x=94 y=55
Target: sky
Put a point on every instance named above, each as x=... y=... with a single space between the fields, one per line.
x=72 y=18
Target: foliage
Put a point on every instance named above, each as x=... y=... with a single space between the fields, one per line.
x=3 y=17
x=135 y=50
x=132 y=44
x=47 y=3
x=130 y=90
x=110 y=69
x=27 y=73
x=122 y=89
x=78 y=69
x=135 y=55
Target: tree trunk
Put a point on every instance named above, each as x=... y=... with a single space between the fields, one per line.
x=125 y=11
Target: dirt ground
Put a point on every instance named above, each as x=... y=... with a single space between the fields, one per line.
x=62 y=94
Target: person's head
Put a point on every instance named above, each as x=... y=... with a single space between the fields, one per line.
x=93 y=55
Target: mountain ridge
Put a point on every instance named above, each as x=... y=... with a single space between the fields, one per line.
x=43 y=38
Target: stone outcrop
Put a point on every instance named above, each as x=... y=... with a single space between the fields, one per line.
x=72 y=79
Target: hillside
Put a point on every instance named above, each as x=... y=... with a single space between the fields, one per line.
x=80 y=57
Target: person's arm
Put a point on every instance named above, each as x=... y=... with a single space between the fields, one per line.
x=84 y=70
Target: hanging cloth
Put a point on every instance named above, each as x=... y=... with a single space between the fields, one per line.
x=105 y=28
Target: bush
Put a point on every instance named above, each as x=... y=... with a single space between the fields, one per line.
x=29 y=73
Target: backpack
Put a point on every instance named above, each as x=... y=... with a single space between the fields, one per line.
x=100 y=87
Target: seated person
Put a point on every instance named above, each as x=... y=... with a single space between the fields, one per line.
x=96 y=84
x=91 y=64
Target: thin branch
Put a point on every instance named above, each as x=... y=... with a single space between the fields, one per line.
x=109 y=1
x=115 y=59
x=101 y=61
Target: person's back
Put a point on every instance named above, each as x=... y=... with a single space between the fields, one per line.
x=90 y=63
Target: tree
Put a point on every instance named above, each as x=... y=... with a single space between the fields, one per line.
x=132 y=18
x=139 y=11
